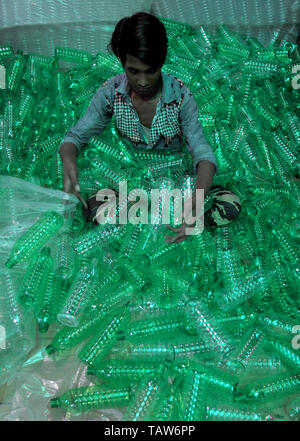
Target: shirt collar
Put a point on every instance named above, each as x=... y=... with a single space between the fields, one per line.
x=168 y=92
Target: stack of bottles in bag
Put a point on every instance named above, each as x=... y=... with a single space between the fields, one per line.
x=205 y=329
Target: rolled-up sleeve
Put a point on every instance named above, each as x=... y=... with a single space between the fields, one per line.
x=95 y=119
x=196 y=142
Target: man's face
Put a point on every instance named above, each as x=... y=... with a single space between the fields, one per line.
x=144 y=79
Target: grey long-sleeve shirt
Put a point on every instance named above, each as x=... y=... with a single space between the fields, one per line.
x=176 y=118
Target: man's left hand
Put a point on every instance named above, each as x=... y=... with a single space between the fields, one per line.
x=180 y=237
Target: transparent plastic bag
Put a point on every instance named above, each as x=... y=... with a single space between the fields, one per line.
x=21 y=205
x=42 y=378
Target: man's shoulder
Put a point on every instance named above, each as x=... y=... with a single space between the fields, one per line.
x=173 y=80
x=175 y=86
x=113 y=82
x=106 y=90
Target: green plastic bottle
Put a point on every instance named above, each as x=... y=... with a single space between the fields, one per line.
x=271 y=388
x=192 y=396
x=74 y=55
x=92 y=397
x=166 y=405
x=89 y=242
x=288 y=356
x=142 y=402
x=229 y=412
x=64 y=256
x=14 y=73
x=78 y=295
x=246 y=350
x=208 y=328
x=34 y=285
x=96 y=349
x=132 y=370
x=165 y=324
x=35 y=237
x=45 y=309
x=69 y=337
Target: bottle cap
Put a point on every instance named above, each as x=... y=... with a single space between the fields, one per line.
x=91 y=371
x=11 y=262
x=54 y=402
x=26 y=299
x=67 y=319
x=43 y=327
x=46 y=251
x=147 y=285
x=50 y=349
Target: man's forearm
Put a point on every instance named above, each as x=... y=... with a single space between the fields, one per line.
x=205 y=174
x=68 y=150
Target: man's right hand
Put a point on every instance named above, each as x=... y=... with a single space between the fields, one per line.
x=68 y=153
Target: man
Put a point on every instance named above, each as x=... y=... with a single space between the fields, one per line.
x=152 y=109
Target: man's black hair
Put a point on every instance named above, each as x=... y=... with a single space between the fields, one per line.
x=142 y=35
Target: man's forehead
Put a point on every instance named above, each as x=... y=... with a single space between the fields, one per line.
x=135 y=63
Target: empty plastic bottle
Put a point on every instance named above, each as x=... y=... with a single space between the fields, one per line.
x=208 y=328
x=34 y=283
x=78 y=295
x=132 y=370
x=74 y=55
x=271 y=388
x=91 y=397
x=163 y=325
x=46 y=304
x=193 y=393
x=246 y=350
x=64 y=256
x=285 y=351
x=143 y=402
x=96 y=349
x=35 y=237
x=69 y=337
x=235 y=413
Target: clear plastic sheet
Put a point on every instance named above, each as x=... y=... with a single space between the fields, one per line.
x=31 y=377
x=42 y=378
x=38 y=27
x=265 y=20
x=22 y=203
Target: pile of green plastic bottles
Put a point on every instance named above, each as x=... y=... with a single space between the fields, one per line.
x=205 y=329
